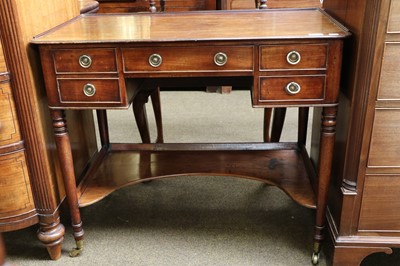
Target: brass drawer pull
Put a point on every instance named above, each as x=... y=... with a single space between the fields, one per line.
x=293 y=57
x=89 y=90
x=220 y=59
x=292 y=88
x=155 y=60
x=85 y=61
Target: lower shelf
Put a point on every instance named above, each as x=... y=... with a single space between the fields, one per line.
x=284 y=165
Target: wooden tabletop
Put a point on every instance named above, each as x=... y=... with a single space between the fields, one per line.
x=196 y=26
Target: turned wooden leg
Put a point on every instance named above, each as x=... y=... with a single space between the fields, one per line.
x=67 y=169
x=327 y=142
x=51 y=234
x=139 y=110
x=277 y=123
x=303 y=122
x=267 y=124
x=156 y=102
x=2 y=251
x=103 y=127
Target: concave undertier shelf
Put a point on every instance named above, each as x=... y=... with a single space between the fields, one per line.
x=285 y=165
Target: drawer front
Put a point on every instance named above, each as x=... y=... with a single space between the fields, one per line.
x=389 y=76
x=380 y=204
x=292 y=88
x=16 y=195
x=394 y=17
x=310 y=56
x=83 y=60
x=385 y=142
x=186 y=59
x=89 y=90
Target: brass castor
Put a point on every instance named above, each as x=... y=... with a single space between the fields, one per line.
x=315 y=258
x=77 y=250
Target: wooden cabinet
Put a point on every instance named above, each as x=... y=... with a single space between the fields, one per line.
x=17 y=209
x=124 y=6
x=30 y=191
x=249 y=4
x=363 y=208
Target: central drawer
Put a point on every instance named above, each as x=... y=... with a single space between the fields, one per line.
x=188 y=59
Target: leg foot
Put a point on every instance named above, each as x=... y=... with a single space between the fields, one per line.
x=77 y=250
x=316 y=251
x=52 y=236
x=315 y=258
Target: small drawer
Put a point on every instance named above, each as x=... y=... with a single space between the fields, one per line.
x=89 y=90
x=187 y=59
x=292 y=88
x=83 y=60
x=310 y=56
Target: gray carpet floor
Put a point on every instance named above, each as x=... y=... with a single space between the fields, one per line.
x=205 y=220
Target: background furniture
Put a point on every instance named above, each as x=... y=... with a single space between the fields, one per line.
x=88 y=6
x=364 y=200
x=249 y=4
x=127 y=6
x=30 y=192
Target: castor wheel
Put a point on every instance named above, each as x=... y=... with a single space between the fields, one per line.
x=77 y=250
x=315 y=258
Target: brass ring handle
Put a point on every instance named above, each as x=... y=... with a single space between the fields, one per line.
x=155 y=60
x=293 y=57
x=292 y=88
x=220 y=59
x=89 y=90
x=85 y=61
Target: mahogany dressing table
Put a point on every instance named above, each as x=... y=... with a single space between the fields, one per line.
x=289 y=58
